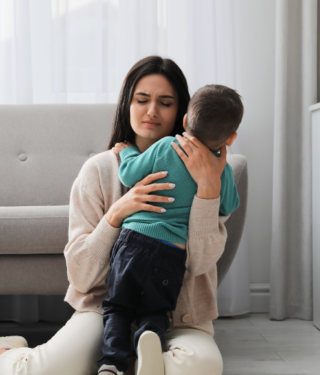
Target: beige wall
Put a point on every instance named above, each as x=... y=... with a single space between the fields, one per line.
x=256 y=64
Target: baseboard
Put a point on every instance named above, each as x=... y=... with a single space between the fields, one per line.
x=259 y=294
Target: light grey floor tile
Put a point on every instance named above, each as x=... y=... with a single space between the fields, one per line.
x=252 y=344
x=247 y=367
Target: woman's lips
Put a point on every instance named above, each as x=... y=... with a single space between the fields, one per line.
x=151 y=124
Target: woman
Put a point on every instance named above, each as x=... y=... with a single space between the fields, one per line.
x=153 y=100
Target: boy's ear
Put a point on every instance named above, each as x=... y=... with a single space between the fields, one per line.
x=231 y=139
x=185 y=121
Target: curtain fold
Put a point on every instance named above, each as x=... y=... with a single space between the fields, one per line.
x=295 y=91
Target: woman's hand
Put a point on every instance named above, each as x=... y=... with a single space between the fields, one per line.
x=135 y=199
x=204 y=167
x=120 y=146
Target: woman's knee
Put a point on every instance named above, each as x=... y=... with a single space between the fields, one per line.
x=192 y=352
x=179 y=362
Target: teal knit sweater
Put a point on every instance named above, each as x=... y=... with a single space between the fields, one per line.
x=171 y=225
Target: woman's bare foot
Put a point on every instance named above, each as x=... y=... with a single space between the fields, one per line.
x=3 y=350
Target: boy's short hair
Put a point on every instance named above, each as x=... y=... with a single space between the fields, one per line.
x=214 y=114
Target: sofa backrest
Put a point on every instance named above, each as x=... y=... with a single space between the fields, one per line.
x=43 y=147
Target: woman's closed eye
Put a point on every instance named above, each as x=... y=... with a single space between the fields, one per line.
x=167 y=105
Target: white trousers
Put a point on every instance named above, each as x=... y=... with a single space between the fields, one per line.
x=75 y=348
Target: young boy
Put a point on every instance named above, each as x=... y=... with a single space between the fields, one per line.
x=148 y=260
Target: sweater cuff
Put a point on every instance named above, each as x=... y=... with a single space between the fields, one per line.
x=102 y=239
x=128 y=150
x=204 y=215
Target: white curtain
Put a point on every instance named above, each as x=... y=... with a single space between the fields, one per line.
x=79 y=51
x=295 y=90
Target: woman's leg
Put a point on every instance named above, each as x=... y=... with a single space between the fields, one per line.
x=188 y=350
x=191 y=351
x=73 y=350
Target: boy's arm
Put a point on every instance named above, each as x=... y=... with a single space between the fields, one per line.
x=229 y=197
x=134 y=165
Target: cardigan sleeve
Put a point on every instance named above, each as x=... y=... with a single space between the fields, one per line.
x=90 y=239
x=207 y=236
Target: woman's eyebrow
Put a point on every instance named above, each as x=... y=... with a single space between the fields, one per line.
x=160 y=96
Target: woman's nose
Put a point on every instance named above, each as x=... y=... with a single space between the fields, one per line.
x=152 y=111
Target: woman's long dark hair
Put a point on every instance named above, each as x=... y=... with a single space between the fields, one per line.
x=121 y=129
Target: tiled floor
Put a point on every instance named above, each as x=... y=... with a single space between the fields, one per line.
x=252 y=344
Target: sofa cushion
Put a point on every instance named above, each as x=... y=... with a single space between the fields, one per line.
x=33 y=229
x=33 y=274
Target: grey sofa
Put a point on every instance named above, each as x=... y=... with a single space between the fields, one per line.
x=42 y=149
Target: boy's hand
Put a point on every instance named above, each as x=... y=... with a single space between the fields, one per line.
x=120 y=146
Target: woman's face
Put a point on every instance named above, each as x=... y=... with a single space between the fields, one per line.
x=153 y=109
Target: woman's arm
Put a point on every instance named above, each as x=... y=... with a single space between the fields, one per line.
x=92 y=231
x=207 y=234
x=91 y=238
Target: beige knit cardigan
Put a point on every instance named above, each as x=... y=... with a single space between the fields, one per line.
x=91 y=237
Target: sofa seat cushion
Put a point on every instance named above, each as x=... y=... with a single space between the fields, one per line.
x=33 y=229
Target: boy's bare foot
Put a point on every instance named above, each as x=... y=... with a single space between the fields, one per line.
x=3 y=350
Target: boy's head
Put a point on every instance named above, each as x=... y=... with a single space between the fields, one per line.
x=214 y=114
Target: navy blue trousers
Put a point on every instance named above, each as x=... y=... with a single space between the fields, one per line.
x=144 y=281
